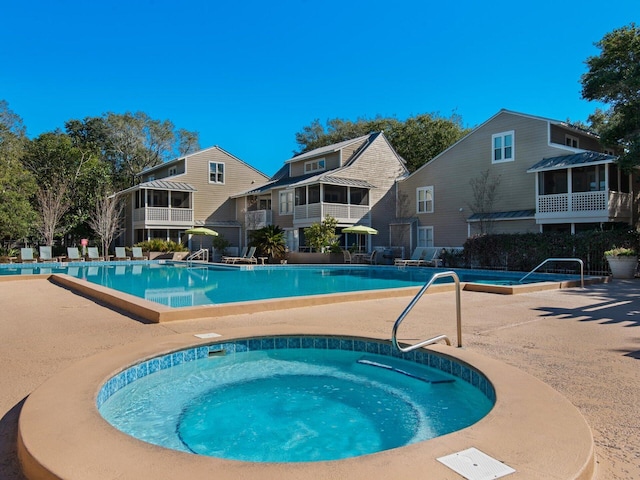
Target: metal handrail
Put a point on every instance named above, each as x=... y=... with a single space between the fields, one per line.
x=202 y=254
x=413 y=303
x=560 y=260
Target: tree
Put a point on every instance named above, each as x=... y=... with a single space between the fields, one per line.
x=105 y=219
x=17 y=184
x=321 y=236
x=269 y=241
x=614 y=78
x=132 y=142
x=485 y=193
x=418 y=139
x=53 y=203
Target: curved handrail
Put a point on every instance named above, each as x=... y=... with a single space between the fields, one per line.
x=560 y=260
x=413 y=302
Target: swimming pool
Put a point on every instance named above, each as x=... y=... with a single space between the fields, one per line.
x=303 y=399
x=178 y=285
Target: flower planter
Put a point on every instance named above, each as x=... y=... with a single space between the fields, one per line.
x=623 y=266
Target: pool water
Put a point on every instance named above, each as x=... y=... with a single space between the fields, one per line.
x=294 y=405
x=177 y=285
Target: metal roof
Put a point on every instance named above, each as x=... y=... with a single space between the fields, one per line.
x=331 y=180
x=512 y=215
x=162 y=185
x=568 y=161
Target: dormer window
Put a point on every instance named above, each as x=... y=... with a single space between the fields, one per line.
x=173 y=171
x=314 y=165
x=502 y=147
x=571 y=141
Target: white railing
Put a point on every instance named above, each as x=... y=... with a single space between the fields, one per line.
x=339 y=211
x=163 y=215
x=601 y=203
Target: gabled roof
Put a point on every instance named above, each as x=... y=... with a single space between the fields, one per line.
x=567 y=161
x=327 y=149
x=161 y=185
x=501 y=112
x=184 y=157
x=283 y=179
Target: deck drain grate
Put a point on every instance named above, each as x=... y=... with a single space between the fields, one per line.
x=472 y=464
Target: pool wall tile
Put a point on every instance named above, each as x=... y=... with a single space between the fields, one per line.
x=148 y=367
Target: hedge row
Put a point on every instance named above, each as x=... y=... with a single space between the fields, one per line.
x=523 y=252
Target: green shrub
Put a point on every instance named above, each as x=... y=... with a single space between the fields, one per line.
x=159 y=245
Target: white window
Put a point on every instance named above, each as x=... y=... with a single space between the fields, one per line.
x=425 y=236
x=286 y=202
x=291 y=239
x=216 y=172
x=503 y=145
x=173 y=171
x=424 y=200
x=571 y=141
x=314 y=165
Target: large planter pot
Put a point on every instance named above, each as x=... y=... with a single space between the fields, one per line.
x=623 y=266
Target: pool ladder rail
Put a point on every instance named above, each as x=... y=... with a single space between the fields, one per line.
x=577 y=260
x=202 y=254
x=415 y=300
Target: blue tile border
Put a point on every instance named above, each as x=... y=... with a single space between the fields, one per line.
x=462 y=371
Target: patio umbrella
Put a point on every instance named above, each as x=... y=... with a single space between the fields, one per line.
x=202 y=231
x=360 y=230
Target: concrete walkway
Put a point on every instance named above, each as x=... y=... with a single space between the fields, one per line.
x=583 y=343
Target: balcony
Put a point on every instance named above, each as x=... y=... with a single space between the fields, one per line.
x=316 y=212
x=582 y=207
x=256 y=219
x=151 y=217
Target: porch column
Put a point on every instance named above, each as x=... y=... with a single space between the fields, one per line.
x=569 y=190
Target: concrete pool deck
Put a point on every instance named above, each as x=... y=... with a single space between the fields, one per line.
x=580 y=342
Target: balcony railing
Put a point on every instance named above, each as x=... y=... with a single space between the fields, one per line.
x=343 y=213
x=163 y=216
x=584 y=204
x=256 y=219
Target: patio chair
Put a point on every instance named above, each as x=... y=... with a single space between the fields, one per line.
x=93 y=254
x=73 y=255
x=231 y=259
x=417 y=258
x=46 y=255
x=26 y=255
x=121 y=254
x=347 y=256
x=136 y=254
x=432 y=257
x=249 y=257
x=371 y=259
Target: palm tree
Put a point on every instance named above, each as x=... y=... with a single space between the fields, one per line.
x=269 y=241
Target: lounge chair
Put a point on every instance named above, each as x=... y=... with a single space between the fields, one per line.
x=417 y=258
x=347 y=256
x=432 y=257
x=26 y=255
x=231 y=259
x=121 y=254
x=73 y=255
x=371 y=259
x=46 y=255
x=93 y=254
x=136 y=254
x=249 y=257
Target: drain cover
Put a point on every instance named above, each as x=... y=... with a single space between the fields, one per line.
x=472 y=464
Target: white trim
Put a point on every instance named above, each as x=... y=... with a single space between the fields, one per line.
x=224 y=172
x=425 y=201
x=504 y=149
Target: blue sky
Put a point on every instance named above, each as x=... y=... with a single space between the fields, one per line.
x=248 y=75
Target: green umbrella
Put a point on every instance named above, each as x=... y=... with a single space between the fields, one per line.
x=360 y=230
x=201 y=231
